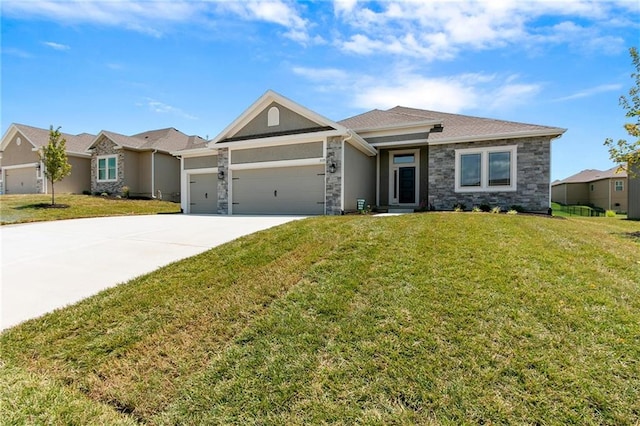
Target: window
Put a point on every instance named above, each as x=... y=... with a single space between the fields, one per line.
x=486 y=169
x=403 y=158
x=619 y=185
x=273 y=117
x=107 y=168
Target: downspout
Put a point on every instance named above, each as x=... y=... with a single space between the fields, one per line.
x=153 y=173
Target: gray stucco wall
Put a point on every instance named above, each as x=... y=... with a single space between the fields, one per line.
x=359 y=178
x=201 y=162
x=277 y=153
x=289 y=121
x=80 y=178
x=15 y=154
x=533 y=176
x=167 y=177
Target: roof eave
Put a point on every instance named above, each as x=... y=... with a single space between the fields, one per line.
x=552 y=133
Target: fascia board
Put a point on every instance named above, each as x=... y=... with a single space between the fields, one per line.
x=399 y=129
x=195 y=152
x=554 y=133
x=279 y=140
x=413 y=142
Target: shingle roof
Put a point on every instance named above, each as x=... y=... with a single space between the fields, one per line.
x=455 y=126
x=591 y=175
x=40 y=137
x=166 y=140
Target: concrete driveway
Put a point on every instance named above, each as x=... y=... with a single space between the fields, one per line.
x=49 y=265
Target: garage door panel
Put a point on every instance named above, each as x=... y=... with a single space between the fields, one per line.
x=203 y=193
x=21 y=181
x=284 y=190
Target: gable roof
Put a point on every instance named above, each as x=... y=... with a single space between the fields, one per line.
x=591 y=175
x=455 y=127
x=37 y=137
x=165 y=140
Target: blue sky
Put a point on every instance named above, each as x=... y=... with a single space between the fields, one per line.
x=129 y=66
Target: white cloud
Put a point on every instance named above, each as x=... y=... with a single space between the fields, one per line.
x=56 y=46
x=591 y=92
x=323 y=74
x=162 y=108
x=16 y=52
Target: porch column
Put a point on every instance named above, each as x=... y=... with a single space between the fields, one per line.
x=223 y=184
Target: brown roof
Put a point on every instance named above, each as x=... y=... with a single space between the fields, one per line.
x=455 y=126
x=40 y=137
x=591 y=175
x=166 y=140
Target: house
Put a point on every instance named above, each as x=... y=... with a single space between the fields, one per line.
x=142 y=163
x=633 y=188
x=603 y=189
x=279 y=157
x=22 y=169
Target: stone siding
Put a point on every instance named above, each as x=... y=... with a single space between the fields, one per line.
x=533 y=176
x=223 y=184
x=106 y=147
x=333 y=194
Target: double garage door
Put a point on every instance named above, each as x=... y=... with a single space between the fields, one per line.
x=20 y=181
x=282 y=190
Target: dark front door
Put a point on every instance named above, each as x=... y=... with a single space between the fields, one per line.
x=407 y=185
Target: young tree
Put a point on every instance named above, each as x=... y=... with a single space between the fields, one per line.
x=627 y=153
x=54 y=159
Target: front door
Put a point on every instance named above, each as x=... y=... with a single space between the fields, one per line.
x=404 y=177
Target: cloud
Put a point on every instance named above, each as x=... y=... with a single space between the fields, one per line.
x=56 y=46
x=591 y=92
x=162 y=108
x=16 y=52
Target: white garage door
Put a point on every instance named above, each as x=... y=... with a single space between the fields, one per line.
x=203 y=193
x=20 y=181
x=283 y=190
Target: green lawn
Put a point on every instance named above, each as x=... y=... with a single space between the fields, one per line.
x=28 y=208
x=437 y=318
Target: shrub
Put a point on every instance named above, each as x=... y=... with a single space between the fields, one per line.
x=459 y=207
x=85 y=192
x=496 y=209
x=485 y=207
x=125 y=191
x=517 y=208
x=512 y=211
x=610 y=213
x=476 y=209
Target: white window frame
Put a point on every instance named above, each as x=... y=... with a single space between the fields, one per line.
x=273 y=117
x=484 y=169
x=106 y=159
x=618 y=183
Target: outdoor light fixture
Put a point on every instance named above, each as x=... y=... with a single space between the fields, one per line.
x=221 y=174
x=332 y=167
x=38 y=167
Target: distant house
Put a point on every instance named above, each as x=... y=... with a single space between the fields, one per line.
x=141 y=162
x=279 y=157
x=22 y=170
x=606 y=189
x=633 y=209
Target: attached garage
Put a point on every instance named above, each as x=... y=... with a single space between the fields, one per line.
x=20 y=180
x=283 y=190
x=203 y=193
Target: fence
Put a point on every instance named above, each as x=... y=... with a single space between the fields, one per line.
x=581 y=210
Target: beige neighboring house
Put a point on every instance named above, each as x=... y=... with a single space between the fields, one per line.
x=279 y=157
x=633 y=209
x=22 y=170
x=141 y=162
x=606 y=189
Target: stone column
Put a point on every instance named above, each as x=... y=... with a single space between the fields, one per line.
x=333 y=196
x=223 y=184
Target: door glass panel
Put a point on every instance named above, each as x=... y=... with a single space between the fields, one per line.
x=499 y=168
x=470 y=170
x=407 y=185
x=403 y=158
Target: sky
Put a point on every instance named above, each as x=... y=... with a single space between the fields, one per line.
x=132 y=66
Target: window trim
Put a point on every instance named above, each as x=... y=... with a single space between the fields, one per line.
x=615 y=186
x=106 y=158
x=484 y=169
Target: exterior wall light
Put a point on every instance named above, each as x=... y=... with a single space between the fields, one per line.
x=332 y=167
x=221 y=174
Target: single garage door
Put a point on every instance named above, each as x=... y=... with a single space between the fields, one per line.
x=203 y=193
x=283 y=190
x=20 y=181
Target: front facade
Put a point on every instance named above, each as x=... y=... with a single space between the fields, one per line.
x=279 y=157
x=22 y=171
x=607 y=190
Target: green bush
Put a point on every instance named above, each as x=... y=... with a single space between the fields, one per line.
x=610 y=213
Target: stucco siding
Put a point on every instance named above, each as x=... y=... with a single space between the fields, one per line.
x=533 y=176
x=204 y=162
x=277 y=153
x=359 y=178
x=605 y=196
x=289 y=121
x=167 y=177
x=131 y=175
x=143 y=170
x=633 y=193
x=384 y=177
x=79 y=180
x=15 y=154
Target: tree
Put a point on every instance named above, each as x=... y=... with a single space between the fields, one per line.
x=54 y=158
x=627 y=153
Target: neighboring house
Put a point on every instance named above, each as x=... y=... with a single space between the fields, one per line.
x=279 y=157
x=603 y=189
x=141 y=162
x=22 y=169
x=633 y=188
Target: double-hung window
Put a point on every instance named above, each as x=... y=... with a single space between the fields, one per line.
x=619 y=185
x=108 y=168
x=486 y=169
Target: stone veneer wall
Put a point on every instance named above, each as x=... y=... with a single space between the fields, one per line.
x=106 y=147
x=223 y=184
x=533 y=176
x=333 y=194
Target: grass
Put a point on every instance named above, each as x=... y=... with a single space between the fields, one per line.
x=419 y=319
x=29 y=208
